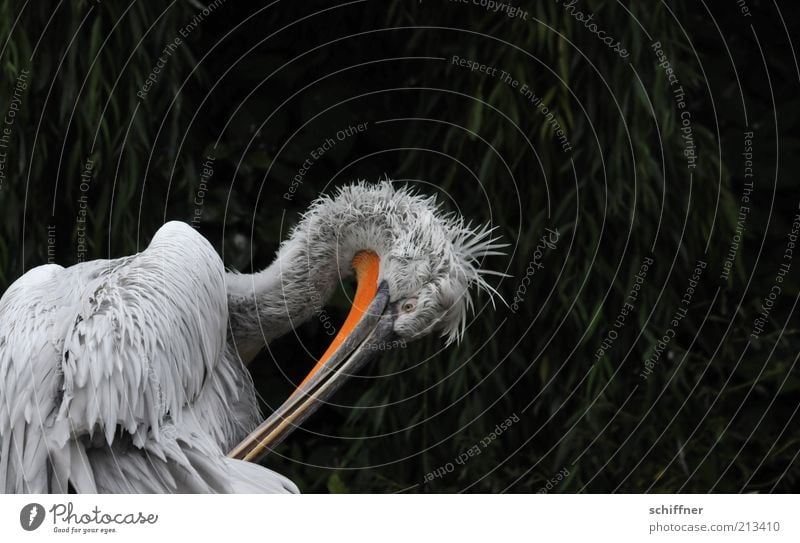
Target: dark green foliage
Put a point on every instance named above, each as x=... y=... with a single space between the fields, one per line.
x=259 y=89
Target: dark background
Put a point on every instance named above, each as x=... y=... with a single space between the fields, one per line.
x=260 y=87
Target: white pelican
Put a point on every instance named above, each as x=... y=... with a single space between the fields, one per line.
x=127 y=375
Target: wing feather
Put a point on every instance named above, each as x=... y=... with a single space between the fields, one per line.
x=146 y=332
x=29 y=382
x=105 y=347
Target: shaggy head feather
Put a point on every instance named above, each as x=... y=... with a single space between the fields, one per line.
x=427 y=256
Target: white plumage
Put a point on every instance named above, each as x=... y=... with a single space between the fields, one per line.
x=115 y=376
x=126 y=375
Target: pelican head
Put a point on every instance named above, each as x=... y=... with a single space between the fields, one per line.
x=415 y=267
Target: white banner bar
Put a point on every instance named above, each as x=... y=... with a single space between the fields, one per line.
x=400 y=518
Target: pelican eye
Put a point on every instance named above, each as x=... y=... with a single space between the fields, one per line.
x=409 y=305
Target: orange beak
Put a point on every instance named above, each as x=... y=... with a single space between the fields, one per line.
x=368 y=325
x=366 y=266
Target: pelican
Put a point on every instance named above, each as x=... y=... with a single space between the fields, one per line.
x=130 y=375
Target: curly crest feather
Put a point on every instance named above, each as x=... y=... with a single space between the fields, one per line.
x=422 y=249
